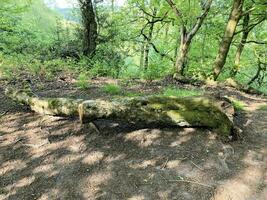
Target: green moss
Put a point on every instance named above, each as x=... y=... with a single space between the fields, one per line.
x=54 y=103
x=133 y=94
x=177 y=92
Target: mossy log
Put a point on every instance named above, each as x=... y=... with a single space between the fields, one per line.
x=166 y=111
x=244 y=88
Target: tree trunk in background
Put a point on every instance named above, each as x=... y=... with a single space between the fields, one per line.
x=90 y=27
x=187 y=35
x=262 y=66
x=147 y=46
x=149 y=39
x=176 y=48
x=241 y=45
x=228 y=37
x=142 y=52
x=112 y=5
x=181 y=58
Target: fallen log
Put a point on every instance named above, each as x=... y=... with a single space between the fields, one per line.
x=243 y=88
x=166 y=111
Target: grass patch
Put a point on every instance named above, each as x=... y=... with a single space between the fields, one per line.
x=82 y=81
x=133 y=94
x=262 y=107
x=112 y=89
x=176 y=92
x=238 y=105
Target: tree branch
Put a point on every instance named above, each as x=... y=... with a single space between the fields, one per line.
x=256 y=42
x=251 y=26
x=176 y=11
x=200 y=20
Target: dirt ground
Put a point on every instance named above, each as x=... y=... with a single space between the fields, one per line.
x=44 y=157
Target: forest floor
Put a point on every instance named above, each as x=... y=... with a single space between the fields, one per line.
x=44 y=157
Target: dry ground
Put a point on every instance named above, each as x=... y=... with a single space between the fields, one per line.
x=43 y=157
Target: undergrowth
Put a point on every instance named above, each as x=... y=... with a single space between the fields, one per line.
x=238 y=105
x=112 y=89
x=82 y=81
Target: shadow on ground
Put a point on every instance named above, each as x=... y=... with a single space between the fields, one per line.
x=44 y=157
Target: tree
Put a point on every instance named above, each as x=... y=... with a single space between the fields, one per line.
x=248 y=25
x=241 y=45
x=186 y=35
x=90 y=27
x=226 y=41
x=148 y=38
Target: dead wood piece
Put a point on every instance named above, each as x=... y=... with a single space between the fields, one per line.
x=166 y=111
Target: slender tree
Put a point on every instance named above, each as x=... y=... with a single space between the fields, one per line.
x=90 y=27
x=225 y=44
x=186 y=35
x=241 y=45
x=149 y=39
x=247 y=26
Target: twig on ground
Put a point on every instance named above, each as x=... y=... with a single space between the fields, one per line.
x=197 y=166
x=16 y=141
x=165 y=164
x=35 y=145
x=193 y=182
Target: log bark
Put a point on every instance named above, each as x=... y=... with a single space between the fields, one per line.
x=166 y=111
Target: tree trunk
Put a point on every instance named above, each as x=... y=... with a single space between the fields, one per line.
x=228 y=37
x=241 y=45
x=112 y=5
x=149 y=39
x=181 y=57
x=90 y=27
x=166 y=111
x=142 y=53
x=181 y=61
x=187 y=36
x=261 y=67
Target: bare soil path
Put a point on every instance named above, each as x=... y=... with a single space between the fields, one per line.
x=43 y=157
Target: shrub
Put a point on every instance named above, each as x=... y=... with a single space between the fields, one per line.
x=112 y=89
x=82 y=81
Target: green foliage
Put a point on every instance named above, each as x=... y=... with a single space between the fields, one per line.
x=262 y=107
x=82 y=81
x=133 y=94
x=154 y=71
x=177 y=92
x=37 y=40
x=131 y=72
x=238 y=105
x=112 y=89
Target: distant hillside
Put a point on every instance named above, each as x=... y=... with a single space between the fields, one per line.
x=40 y=18
x=68 y=14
